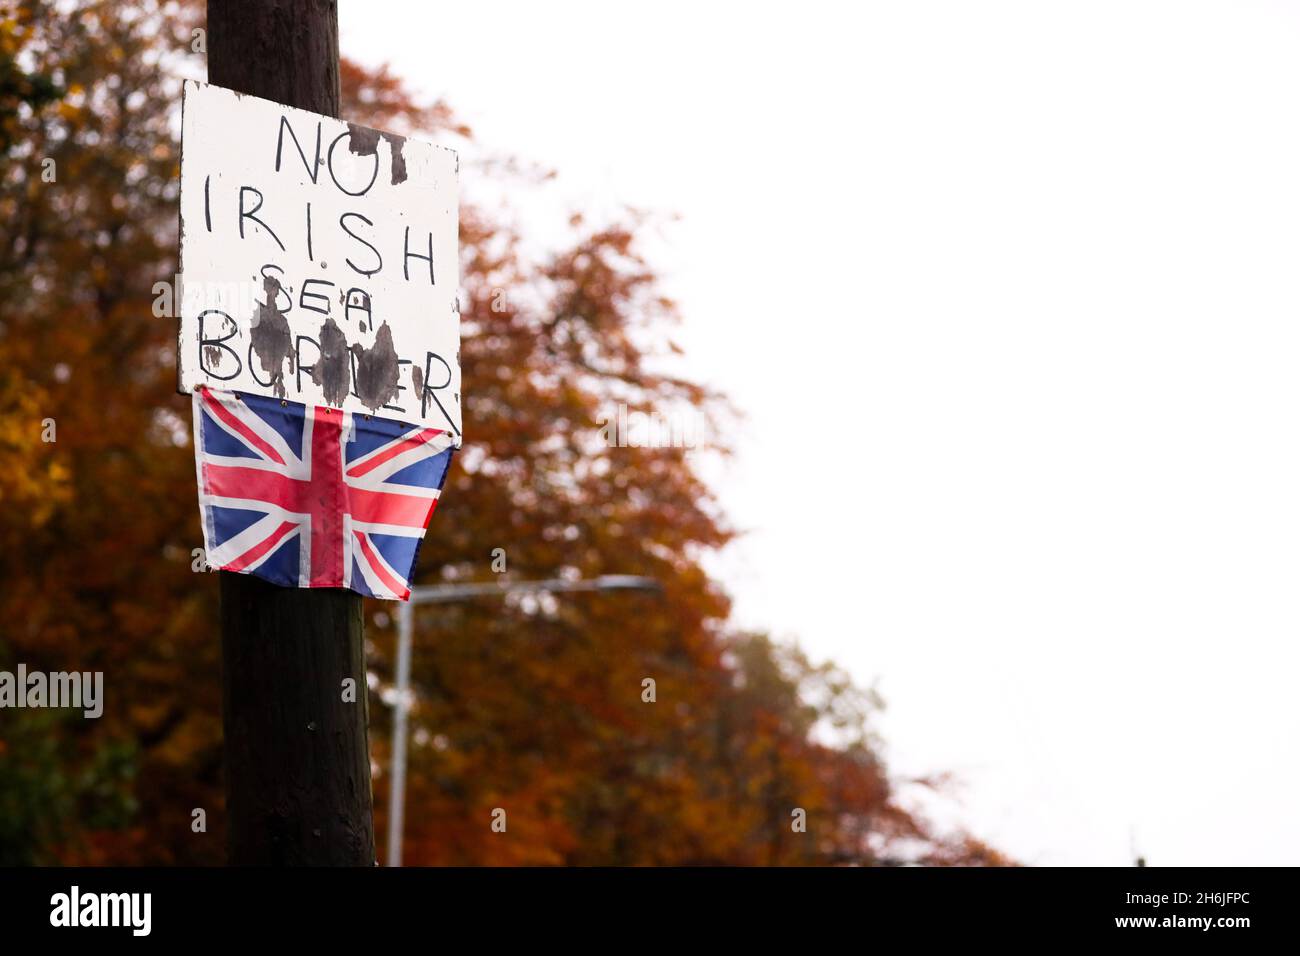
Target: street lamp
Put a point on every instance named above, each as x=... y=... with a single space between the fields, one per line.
x=445 y=594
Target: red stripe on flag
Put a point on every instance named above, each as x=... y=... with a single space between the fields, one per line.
x=247 y=433
x=393 y=584
x=422 y=437
x=381 y=507
x=327 y=501
x=257 y=550
x=256 y=484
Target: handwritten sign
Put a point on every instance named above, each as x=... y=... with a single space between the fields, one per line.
x=318 y=261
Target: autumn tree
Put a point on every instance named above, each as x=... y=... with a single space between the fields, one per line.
x=600 y=728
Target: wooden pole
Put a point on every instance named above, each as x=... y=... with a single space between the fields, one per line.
x=297 y=758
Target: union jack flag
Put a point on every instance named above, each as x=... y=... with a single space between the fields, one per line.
x=314 y=497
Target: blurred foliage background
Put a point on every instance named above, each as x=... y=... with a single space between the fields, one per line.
x=534 y=706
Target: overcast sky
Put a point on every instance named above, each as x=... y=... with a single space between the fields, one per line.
x=1009 y=294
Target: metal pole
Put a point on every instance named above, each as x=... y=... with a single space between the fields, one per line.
x=443 y=594
x=401 y=705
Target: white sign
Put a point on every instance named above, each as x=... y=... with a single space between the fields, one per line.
x=318 y=261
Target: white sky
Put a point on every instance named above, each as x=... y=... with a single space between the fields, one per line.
x=1009 y=294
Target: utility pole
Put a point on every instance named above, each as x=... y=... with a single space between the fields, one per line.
x=296 y=753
